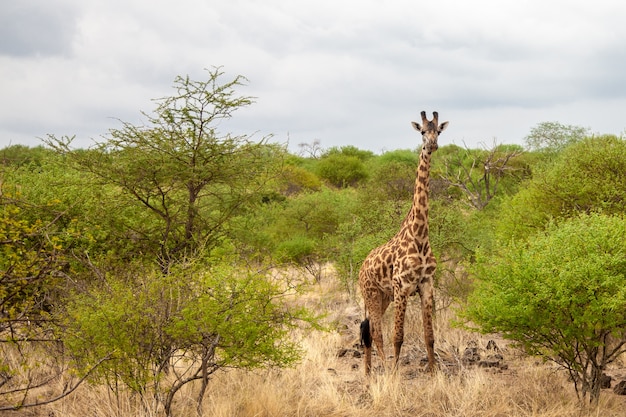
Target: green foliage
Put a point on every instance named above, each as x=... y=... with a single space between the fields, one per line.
x=392 y=176
x=97 y=218
x=305 y=229
x=552 y=137
x=355 y=238
x=590 y=175
x=179 y=188
x=341 y=170
x=587 y=176
x=349 y=150
x=394 y=182
x=186 y=176
x=406 y=157
x=562 y=295
x=450 y=229
x=296 y=179
x=315 y=215
x=297 y=249
x=196 y=319
x=34 y=251
x=32 y=256
x=23 y=156
x=480 y=174
x=371 y=220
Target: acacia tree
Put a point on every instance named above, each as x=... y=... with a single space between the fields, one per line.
x=560 y=295
x=552 y=137
x=480 y=174
x=180 y=182
x=189 y=176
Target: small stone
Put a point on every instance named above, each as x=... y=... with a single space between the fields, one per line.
x=605 y=381
x=491 y=345
x=487 y=363
x=620 y=388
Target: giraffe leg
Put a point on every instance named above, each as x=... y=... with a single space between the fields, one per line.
x=428 y=301
x=385 y=301
x=372 y=306
x=398 y=334
x=375 y=302
x=376 y=318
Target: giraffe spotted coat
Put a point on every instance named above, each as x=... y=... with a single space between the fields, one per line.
x=405 y=265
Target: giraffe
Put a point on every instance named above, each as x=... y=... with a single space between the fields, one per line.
x=405 y=265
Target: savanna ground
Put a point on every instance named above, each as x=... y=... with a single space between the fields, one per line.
x=329 y=380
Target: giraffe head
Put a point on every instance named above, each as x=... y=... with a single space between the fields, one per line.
x=430 y=131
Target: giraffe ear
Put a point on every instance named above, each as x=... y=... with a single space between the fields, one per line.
x=443 y=126
x=417 y=126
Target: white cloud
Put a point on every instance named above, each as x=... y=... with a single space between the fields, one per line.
x=31 y=28
x=342 y=72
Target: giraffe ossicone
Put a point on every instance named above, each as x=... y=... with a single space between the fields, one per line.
x=405 y=265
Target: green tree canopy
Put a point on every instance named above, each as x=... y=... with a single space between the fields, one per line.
x=392 y=176
x=192 y=322
x=341 y=170
x=553 y=136
x=480 y=174
x=31 y=259
x=189 y=177
x=349 y=150
x=587 y=176
x=23 y=156
x=562 y=295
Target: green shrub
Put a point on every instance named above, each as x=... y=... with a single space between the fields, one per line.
x=562 y=296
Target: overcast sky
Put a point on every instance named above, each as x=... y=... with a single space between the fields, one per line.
x=341 y=72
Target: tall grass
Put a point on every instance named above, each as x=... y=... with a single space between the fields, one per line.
x=327 y=384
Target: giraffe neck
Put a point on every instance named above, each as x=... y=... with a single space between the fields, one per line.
x=416 y=222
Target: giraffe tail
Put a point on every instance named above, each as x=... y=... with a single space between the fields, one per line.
x=366 y=335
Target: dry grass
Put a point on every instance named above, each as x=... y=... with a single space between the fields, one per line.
x=326 y=384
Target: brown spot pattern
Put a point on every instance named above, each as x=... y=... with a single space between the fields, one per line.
x=405 y=265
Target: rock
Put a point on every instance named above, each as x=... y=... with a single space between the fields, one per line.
x=491 y=345
x=605 y=381
x=471 y=355
x=342 y=352
x=492 y=361
x=488 y=364
x=620 y=388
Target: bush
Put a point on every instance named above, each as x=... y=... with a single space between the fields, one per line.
x=561 y=296
x=587 y=176
x=193 y=322
x=341 y=170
